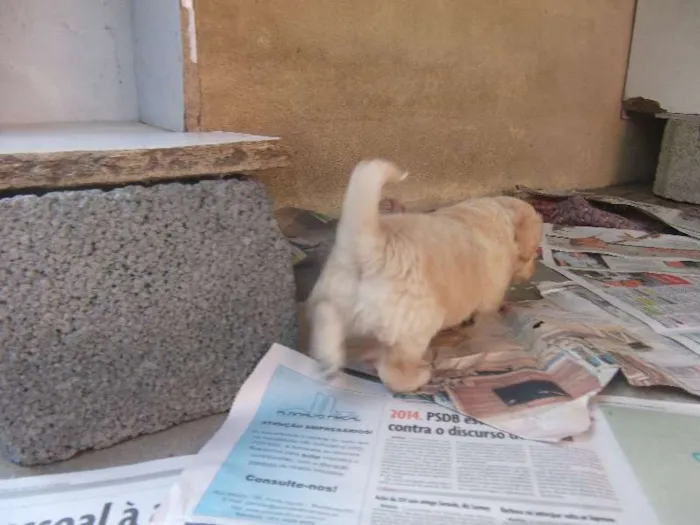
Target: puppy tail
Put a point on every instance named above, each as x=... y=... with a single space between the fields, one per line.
x=327 y=341
x=359 y=223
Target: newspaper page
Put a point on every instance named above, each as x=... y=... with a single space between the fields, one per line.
x=656 y=289
x=116 y=496
x=668 y=303
x=653 y=360
x=301 y=450
x=609 y=263
x=690 y=340
x=532 y=370
x=528 y=371
x=622 y=243
x=685 y=220
x=659 y=440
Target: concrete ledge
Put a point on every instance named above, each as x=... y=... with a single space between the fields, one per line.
x=125 y=312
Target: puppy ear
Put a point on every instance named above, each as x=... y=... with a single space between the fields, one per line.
x=528 y=227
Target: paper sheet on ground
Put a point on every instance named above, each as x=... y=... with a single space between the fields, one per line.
x=530 y=371
x=684 y=220
x=651 y=361
x=533 y=370
x=667 y=300
x=668 y=303
x=608 y=263
x=298 y=449
x=116 y=496
x=622 y=243
x=656 y=441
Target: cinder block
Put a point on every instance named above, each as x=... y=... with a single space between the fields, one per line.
x=125 y=312
x=678 y=172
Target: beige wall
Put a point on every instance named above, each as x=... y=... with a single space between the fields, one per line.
x=471 y=96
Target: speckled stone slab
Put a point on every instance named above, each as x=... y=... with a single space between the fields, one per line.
x=125 y=312
x=678 y=172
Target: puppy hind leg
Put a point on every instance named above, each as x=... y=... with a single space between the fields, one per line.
x=327 y=340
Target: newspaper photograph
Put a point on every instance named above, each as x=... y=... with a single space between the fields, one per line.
x=685 y=220
x=622 y=243
x=659 y=440
x=296 y=448
x=126 y=495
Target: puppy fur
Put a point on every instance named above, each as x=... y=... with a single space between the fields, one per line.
x=402 y=278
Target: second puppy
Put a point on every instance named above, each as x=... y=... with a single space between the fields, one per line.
x=402 y=278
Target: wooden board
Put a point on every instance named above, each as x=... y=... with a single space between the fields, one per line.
x=85 y=168
x=116 y=153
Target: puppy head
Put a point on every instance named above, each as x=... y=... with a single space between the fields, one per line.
x=524 y=270
x=528 y=227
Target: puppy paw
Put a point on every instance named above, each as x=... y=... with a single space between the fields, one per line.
x=330 y=361
x=329 y=371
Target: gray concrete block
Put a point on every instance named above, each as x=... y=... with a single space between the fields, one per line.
x=678 y=171
x=125 y=312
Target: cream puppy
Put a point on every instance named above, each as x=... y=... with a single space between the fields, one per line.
x=402 y=278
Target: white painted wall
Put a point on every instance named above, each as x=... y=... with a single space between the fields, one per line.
x=66 y=60
x=665 y=55
x=158 y=63
x=108 y=136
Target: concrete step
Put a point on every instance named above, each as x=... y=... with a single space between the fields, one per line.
x=678 y=171
x=125 y=312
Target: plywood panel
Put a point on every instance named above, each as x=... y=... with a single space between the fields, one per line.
x=471 y=96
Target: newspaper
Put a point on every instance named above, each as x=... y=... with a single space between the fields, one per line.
x=622 y=243
x=659 y=440
x=529 y=371
x=298 y=449
x=653 y=360
x=638 y=466
x=685 y=220
x=118 y=496
x=608 y=263
x=669 y=303
x=662 y=292
x=532 y=370
x=637 y=291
